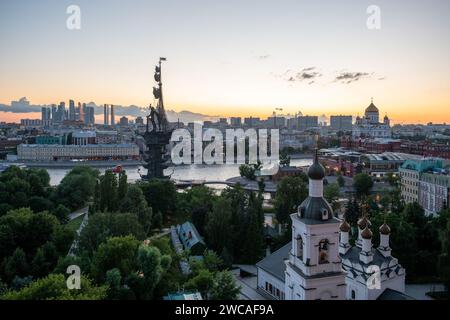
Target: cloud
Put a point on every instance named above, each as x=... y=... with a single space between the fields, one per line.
x=309 y=75
x=349 y=77
x=263 y=57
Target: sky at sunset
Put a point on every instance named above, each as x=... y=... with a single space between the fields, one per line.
x=232 y=57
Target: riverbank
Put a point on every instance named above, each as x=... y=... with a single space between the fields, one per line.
x=301 y=156
x=71 y=164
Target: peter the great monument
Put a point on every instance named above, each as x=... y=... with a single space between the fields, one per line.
x=157 y=138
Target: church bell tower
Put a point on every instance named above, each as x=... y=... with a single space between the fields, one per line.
x=313 y=270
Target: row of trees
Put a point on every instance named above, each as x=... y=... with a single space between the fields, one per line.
x=30 y=245
x=35 y=242
x=31 y=188
x=116 y=260
x=231 y=222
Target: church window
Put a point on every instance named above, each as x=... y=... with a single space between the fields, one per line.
x=353 y=295
x=323 y=251
x=324 y=214
x=299 y=247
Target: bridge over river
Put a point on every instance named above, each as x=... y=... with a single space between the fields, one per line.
x=249 y=185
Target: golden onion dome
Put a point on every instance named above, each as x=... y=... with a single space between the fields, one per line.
x=372 y=108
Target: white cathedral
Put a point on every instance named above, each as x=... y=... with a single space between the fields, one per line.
x=370 y=126
x=320 y=264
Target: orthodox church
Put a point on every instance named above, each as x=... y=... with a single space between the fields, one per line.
x=370 y=126
x=320 y=264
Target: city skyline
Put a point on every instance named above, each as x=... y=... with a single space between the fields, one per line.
x=314 y=58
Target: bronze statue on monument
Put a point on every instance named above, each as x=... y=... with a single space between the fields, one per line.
x=158 y=137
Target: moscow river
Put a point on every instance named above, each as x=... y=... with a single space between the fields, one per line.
x=185 y=172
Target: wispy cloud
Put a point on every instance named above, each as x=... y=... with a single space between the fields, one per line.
x=308 y=75
x=263 y=57
x=311 y=75
x=349 y=77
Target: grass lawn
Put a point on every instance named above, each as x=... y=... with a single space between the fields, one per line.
x=75 y=223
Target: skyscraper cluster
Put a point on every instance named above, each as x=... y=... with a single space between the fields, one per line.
x=57 y=114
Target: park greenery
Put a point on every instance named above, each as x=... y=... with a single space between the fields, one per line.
x=124 y=253
x=121 y=251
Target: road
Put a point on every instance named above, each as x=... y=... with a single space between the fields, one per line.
x=74 y=245
x=78 y=213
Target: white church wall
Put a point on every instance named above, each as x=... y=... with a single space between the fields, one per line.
x=273 y=284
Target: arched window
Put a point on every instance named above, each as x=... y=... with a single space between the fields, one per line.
x=323 y=251
x=353 y=295
x=299 y=247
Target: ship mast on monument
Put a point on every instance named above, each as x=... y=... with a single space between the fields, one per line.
x=158 y=136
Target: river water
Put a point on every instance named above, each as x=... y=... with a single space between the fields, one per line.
x=185 y=172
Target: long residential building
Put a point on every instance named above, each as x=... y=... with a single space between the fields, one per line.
x=434 y=191
x=36 y=152
x=410 y=174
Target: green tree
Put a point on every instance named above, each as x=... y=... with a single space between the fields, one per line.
x=153 y=265
x=123 y=185
x=353 y=212
x=21 y=228
x=331 y=193
x=134 y=202
x=24 y=187
x=225 y=287
x=44 y=261
x=291 y=191
x=161 y=195
x=218 y=228
x=157 y=220
x=77 y=187
x=39 y=204
x=253 y=244
x=113 y=280
x=16 y=265
x=62 y=213
x=363 y=184
x=198 y=201
x=104 y=225
x=108 y=192
x=444 y=257
x=54 y=287
x=117 y=252
x=247 y=171
x=203 y=282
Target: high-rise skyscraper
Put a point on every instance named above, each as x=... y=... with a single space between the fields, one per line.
x=89 y=118
x=61 y=112
x=79 y=112
x=105 y=114
x=54 y=113
x=46 y=116
x=72 y=114
x=113 y=120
